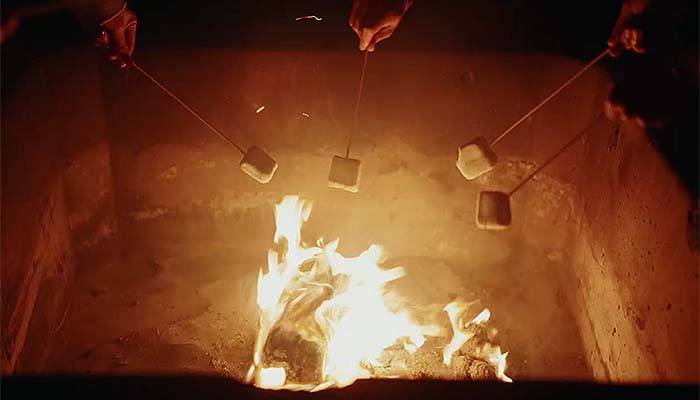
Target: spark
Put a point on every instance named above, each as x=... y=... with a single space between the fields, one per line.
x=309 y=17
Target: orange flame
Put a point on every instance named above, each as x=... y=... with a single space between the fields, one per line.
x=353 y=324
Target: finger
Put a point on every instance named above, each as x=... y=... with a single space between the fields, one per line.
x=616 y=50
x=353 y=14
x=353 y=24
x=633 y=40
x=366 y=36
x=615 y=112
x=624 y=41
x=612 y=41
x=126 y=61
x=355 y=8
x=638 y=41
x=358 y=13
x=130 y=38
x=383 y=34
x=117 y=44
x=615 y=47
x=611 y=111
x=626 y=38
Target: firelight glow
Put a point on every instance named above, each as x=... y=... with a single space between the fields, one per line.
x=338 y=303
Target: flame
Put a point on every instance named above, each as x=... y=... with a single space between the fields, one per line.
x=338 y=303
x=271 y=378
x=461 y=334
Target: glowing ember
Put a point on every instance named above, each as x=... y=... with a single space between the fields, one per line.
x=337 y=307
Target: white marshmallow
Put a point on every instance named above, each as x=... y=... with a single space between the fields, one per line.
x=493 y=211
x=258 y=165
x=345 y=174
x=476 y=158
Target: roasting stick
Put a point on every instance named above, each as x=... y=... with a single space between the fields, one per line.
x=552 y=158
x=493 y=207
x=256 y=162
x=478 y=157
x=345 y=171
x=357 y=104
x=550 y=97
x=188 y=108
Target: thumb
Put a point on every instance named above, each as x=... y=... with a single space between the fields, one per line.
x=615 y=47
x=366 y=36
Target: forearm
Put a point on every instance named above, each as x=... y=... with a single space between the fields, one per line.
x=94 y=12
x=637 y=6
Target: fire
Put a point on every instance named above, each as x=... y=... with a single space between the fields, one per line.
x=461 y=334
x=338 y=305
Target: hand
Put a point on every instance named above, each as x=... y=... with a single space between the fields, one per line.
x=628 y=33
x=376 y=20
x=650 y=96
x=118 y=35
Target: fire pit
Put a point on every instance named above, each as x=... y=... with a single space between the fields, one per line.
x=134 y=247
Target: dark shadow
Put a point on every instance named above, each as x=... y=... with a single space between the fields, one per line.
x=191 y=387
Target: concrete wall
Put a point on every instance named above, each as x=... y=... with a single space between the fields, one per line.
x=55 y=185
x=634 y=267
